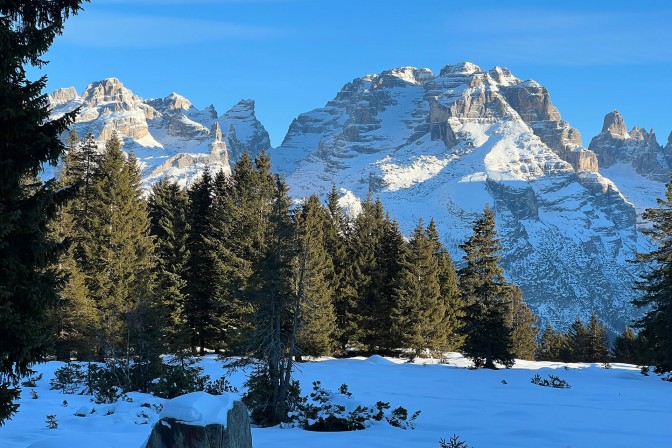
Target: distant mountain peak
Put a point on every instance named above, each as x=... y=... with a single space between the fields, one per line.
x=462 y=68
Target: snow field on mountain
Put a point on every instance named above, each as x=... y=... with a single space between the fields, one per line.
x=616 y=407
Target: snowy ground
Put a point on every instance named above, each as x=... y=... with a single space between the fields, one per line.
x=615 y=407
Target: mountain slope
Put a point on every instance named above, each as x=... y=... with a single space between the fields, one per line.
x=445 y=145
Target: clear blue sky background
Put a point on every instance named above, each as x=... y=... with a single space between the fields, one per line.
x=294 y=55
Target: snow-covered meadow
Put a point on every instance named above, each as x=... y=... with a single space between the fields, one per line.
x=616 y=407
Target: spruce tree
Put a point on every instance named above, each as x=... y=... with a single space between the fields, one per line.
x=628 y=347
x=199 y=292
x=578 y=339
x=450 y=293
x=276 y=315
x=488 y=337
x=28 y=139
x=523 y=326
x=418 y=313
x=656 y=285
x=168 y=208
x=118 y=262
x=550 y=346
x=336 y=235
x=598 y=345
x=314 y=281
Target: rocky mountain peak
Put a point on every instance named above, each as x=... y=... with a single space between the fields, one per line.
x=62 y=96
x=409 y=75
x=637 y=148
x=109 y=90
x=462 y=68
x=216 y=132
x=614 y=125
x=176 y=101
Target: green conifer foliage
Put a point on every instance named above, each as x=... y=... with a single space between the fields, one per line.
x=168 y=208
x=598 y=345
x=27 y=141
x=656 y=285
x=418 y=313
x=314 y=281
x=553 y=346
x=523 y=326
x=450 y=294
x=119 y=260
x=628 y=348
x=200 y=277
x=337 y=234
x=578 y=339
x=487 y=332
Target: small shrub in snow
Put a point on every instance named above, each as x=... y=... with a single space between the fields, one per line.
x=325 y=410
x=65 y=403
x=645 y=370
x=552 y=381
x=69 y=379
x=33 y=394
x=32 y=381
x=52 y=423
x=454 y=442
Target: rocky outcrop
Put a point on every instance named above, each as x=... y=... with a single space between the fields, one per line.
x=233 y=433
x=533 y=103
x=637 y=147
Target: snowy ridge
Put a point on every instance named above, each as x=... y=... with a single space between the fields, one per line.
x=170 y=137
x=444 y=146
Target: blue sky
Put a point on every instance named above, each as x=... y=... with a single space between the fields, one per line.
x=292 y=56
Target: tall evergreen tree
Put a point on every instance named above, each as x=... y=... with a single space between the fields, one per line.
x=118 y=262
x=598 y=345
x=523 y=326
x=450 y=293
x=488 y=336
x=418 y=313
x=276 y=317
x=337 y=234
x=578 y=339
x=656 y=285
x=168 y=208
x=28 y=139
x=200 y=277
x=553 y=346
x=314 y=281
x=628 y=347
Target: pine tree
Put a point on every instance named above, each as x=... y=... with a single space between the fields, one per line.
x=337 y=234
x=523 y=326
x=656 y=285
x=552 y=346
x=276 y=316
x=578 y=340
x=168 y=208
x=598 y=346
x=27 y=141
x=488 y=336
x=74 y=318
x=628 y=347
x=314 y=281
x=199 y=273
x=418 y=312
x=450 y=293
x=118 y=262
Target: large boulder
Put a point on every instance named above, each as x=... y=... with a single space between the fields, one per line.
x=201 y=420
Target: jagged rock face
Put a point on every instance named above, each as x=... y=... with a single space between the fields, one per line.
x=444 y=146
x=169 y=135
x=637 y=147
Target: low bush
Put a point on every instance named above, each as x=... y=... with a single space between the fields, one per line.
x=552 y=381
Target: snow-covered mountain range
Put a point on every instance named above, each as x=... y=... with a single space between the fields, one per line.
x=437 y=146
x=168 y=135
